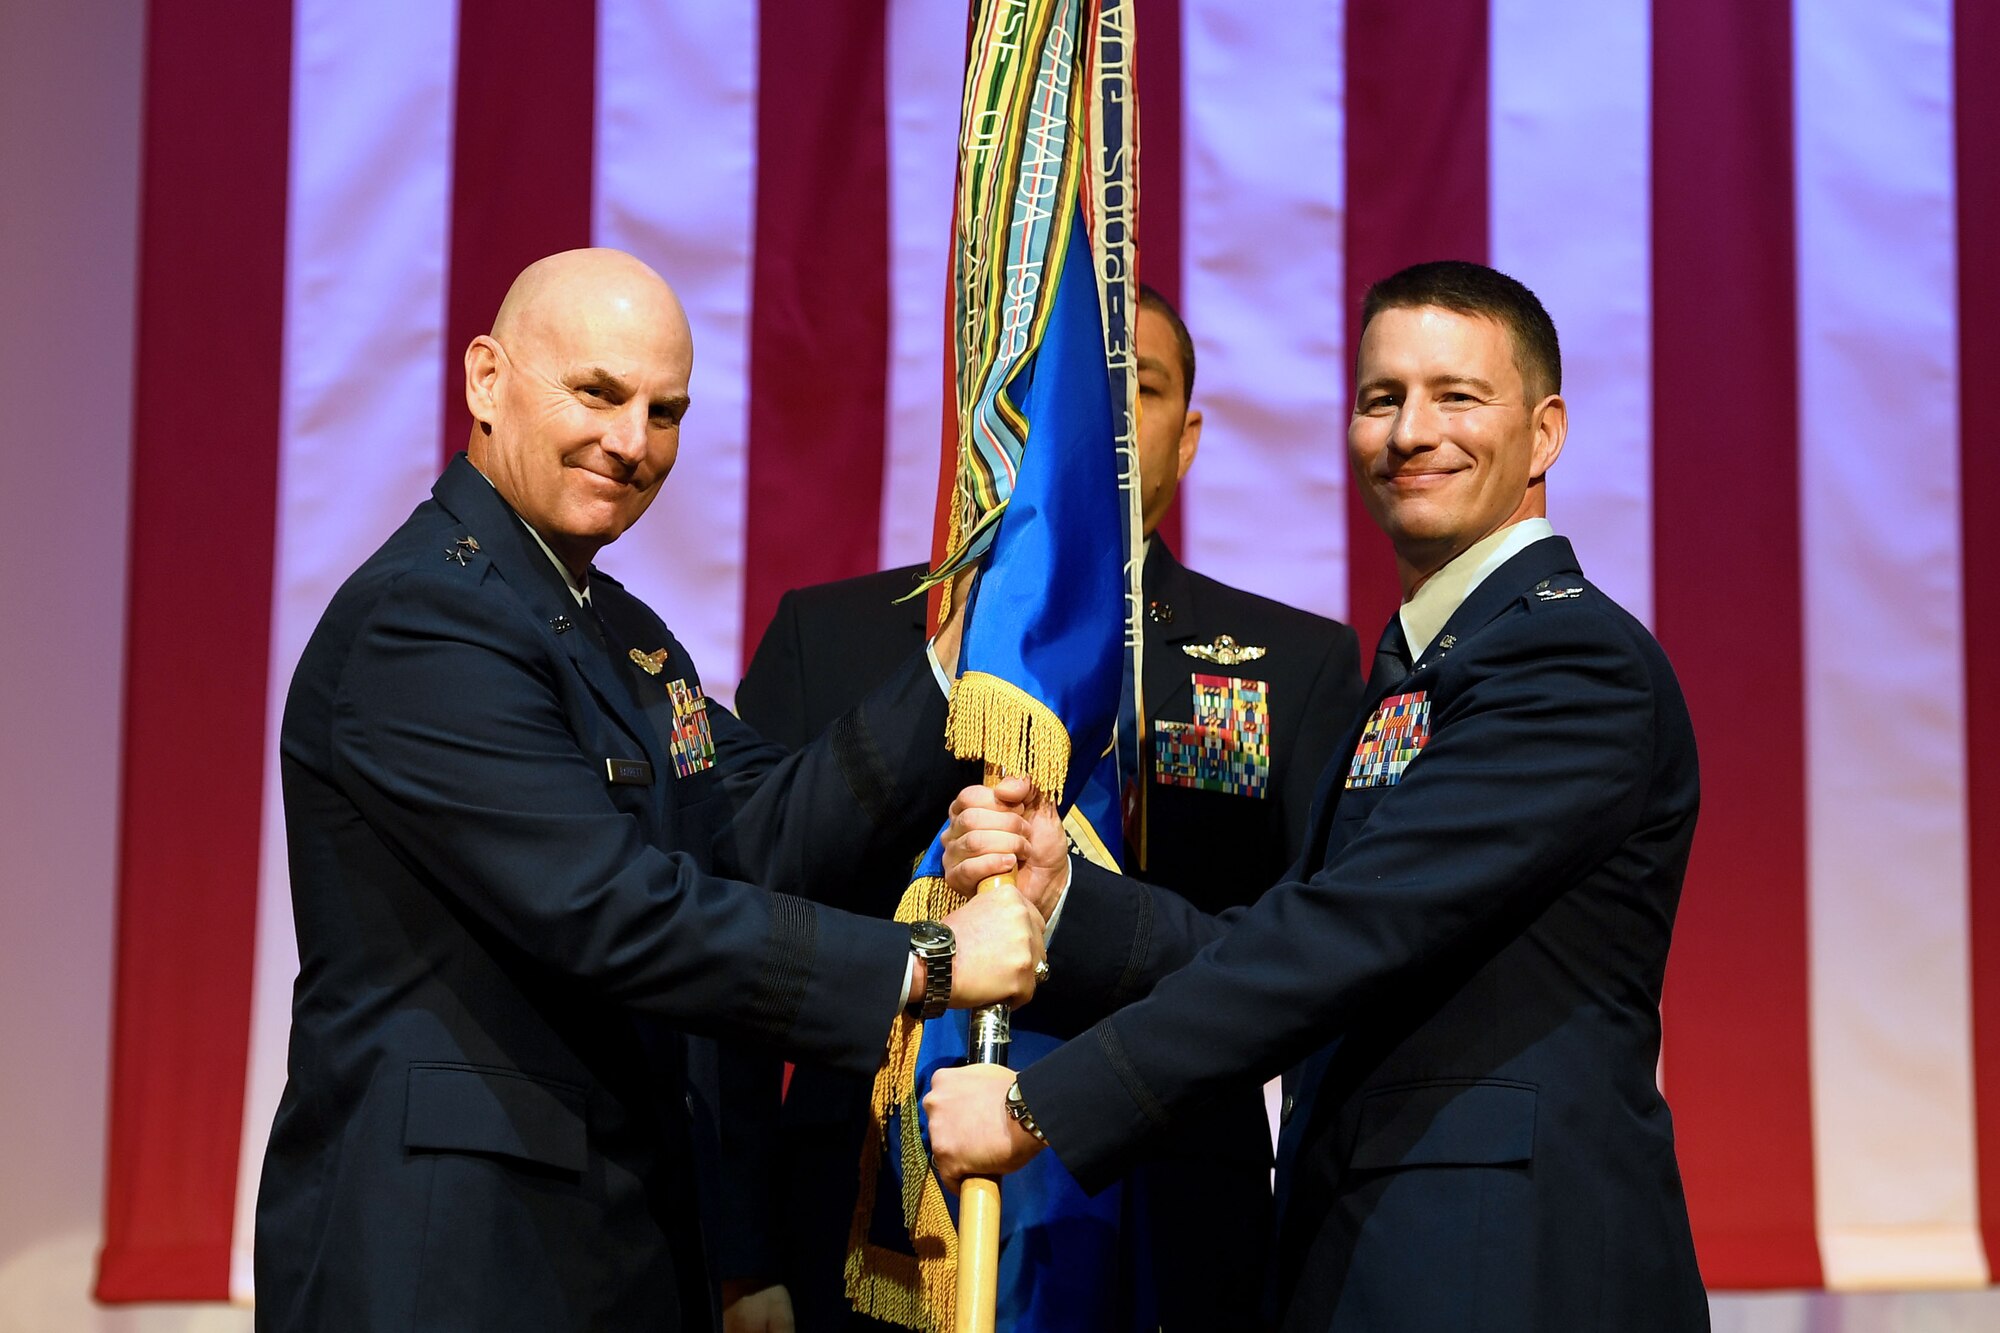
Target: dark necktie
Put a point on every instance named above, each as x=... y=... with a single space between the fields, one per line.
x=1392 y=659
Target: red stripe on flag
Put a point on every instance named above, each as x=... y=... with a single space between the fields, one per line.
x=1416 y=191
x=1157 y=73
x=522 y=157
x=1975 y=53
x=1728 y=594
x=819 y=304
x=211 y=317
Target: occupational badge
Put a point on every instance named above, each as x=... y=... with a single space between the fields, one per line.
x=1394 y=735
x=691 y=746
x=650 y=663
x=1225 y=651
x=1227 y=748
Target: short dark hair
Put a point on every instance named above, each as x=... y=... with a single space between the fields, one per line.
x=1474 y=289
x=1149 y=297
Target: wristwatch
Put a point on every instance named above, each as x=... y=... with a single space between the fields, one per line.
x=933 y=942
x=1017 y=1107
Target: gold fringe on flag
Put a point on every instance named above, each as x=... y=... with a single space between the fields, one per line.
x=989 y=718
x=1014 y=732
x=920 y=1290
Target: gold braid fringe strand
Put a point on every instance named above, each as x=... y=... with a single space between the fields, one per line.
x=996 y=720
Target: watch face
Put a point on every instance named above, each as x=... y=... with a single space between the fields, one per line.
x=929 y=935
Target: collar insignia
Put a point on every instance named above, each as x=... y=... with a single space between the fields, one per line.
x=1225 y=651
x=650 y=663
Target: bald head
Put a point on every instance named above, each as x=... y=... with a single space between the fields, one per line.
x=577 y=396
x=552 y=291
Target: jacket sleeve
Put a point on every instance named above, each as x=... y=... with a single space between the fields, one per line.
x=1118 y=936
x=867 y=793
x=449 y=734
x=1534 y=774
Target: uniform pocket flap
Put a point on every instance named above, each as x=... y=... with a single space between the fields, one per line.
x=1460 y=1123
x=464 y=1108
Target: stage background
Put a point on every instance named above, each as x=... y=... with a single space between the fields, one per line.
x=240 y=245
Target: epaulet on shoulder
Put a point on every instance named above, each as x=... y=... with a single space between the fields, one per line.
x=1561 y=588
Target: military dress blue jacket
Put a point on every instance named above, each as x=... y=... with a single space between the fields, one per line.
x=517 y=860
x=1468 y=957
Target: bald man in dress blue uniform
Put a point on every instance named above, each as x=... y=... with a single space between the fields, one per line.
x=527 y=855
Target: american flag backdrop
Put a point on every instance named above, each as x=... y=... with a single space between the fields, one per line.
x=1769 y=234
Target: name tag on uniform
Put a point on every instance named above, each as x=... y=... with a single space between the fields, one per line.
x=1395 y=734
x=629 y=772
x=691 y=745
x=1227 y=748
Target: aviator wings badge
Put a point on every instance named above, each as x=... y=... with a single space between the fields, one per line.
x=1225 y=651
x=650 y=663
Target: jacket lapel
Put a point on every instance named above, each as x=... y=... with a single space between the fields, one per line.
x=1501 y=589
x=1171 y=619
x=506 y=543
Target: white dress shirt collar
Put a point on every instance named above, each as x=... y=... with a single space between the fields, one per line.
x=1445 y=591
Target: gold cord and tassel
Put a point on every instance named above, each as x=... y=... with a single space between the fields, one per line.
x=994 y=720
x=919 y=1290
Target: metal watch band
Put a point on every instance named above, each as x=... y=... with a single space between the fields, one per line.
x=933 y=942
x=1017 y=1107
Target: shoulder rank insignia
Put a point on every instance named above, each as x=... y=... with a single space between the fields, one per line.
x=462 y=548
x=1395 y=734
x=1227 y=748
x=1548 y=594
x=1225 y=651
x=692 y=746
x=651 y=663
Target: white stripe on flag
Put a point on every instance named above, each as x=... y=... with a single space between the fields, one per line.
x=1570 y=88
x=925 y=63
x=675 y=178
x=364 y=309
x=1878 y=466
x=1264 y=166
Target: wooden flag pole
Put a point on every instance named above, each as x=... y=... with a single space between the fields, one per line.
x=979 y=1196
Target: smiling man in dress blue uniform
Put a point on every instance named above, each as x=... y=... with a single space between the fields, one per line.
x=1467 y=957
x=519 y=839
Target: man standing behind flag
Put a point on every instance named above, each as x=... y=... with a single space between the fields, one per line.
x=1479 y=922
x=1211 y=837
